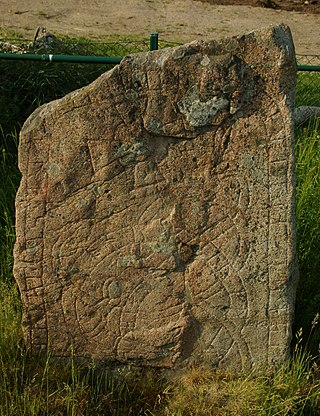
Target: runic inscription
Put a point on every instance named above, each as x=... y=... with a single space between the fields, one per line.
x=155 y=212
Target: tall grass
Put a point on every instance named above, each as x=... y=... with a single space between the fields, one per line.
x=308 y=87
x=308 y=230
x=26 y=85
x=10 y=178
x=43 y=385
x=292 y=389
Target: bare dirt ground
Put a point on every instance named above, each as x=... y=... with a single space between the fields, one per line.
x=183 y=20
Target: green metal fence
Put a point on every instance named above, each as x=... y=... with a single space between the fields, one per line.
x=308 y=80
x=83 y=51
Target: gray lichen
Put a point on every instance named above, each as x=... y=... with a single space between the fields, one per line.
x=199 y=111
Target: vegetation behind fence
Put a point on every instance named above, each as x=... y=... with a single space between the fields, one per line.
x=308 y=82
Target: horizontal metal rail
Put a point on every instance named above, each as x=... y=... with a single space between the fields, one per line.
x=80 y=59
x=61 y=58
x=96 y=59
x=308 y=68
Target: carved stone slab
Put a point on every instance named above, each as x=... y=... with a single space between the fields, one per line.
x=155 y=212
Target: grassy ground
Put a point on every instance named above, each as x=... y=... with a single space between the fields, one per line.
x=308 y=230
x=42 y=386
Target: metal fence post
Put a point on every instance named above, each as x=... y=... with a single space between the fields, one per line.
x=153 y=41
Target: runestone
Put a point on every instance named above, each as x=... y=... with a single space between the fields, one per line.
x=155 y=215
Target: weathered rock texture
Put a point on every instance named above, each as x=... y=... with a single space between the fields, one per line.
x=306 y=113
x=155 y=212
